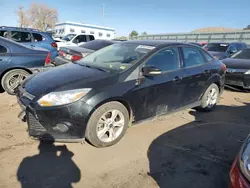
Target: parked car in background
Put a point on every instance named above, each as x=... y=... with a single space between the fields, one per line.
x=74 y=40
x=18 y=61
x=238 y=69
x=97 y=97
x=240 y=171
x=31 y=37
x=74 y=53
x=224 y=50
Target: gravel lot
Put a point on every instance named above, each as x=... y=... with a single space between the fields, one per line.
x=185 y=149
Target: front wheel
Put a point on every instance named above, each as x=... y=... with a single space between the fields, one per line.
x=107 y=125
x=12 y=79
x=210 y=98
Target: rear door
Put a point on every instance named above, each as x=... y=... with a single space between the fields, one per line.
x=197 y=74
x=159 y=94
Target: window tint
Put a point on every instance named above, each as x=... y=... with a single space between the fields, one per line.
x=192 y=57
x=37 y=37
x=91 y=37
x=207 y=56
x=3 y=49
x=20 y=36
x=165 y=60
x=4 y=34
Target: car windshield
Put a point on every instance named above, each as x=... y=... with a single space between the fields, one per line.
x=96 y=44
x=117 y=57
x=216 y=47
x=69 y=37
x=243 y=54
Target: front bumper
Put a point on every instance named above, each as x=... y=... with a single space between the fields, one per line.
x=238 y=79
x=63 y=123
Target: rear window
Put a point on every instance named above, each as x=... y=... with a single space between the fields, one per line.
x=3 y=49
x=96 y=44
x=19 y=36
x=37 y=37
x=216 y=47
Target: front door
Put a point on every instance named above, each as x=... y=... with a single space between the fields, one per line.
x=159 y=94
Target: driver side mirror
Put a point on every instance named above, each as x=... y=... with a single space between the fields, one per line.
x=150 y=71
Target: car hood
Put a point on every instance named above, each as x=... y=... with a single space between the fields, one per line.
x=67 y=77
x=78 y=49
x=217 y=54
x=237 y=63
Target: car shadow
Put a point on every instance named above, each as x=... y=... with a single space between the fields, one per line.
x=52 y=167
x=200 y=153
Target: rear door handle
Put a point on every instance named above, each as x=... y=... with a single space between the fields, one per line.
x=177 y=79
x=206 y=72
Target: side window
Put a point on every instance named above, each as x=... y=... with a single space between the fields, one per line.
x=3 y=49
x=4 y=34
x=91 y=37
x=232 y=48
x=80 y=38
x=239 y=46
x=20 y=36
x=207 y=56
x=192 y=57
x=165 y=60
x=37 y=37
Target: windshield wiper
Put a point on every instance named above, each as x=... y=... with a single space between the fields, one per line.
x=93 y=67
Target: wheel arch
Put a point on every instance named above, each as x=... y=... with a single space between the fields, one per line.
x=7 y=70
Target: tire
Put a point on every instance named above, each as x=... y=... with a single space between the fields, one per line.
x=11 y=75
x=100 y=116
x=205 y=104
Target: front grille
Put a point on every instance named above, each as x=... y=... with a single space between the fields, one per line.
x=35 y=128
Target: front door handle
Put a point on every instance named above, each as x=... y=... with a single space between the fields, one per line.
x=177 y=79
x=206 y=72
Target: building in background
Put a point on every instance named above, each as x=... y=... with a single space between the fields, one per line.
x=100 y=32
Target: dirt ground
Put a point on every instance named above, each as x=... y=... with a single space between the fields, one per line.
x=185 y=149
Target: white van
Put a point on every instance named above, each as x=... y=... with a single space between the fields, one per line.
x=73 y=40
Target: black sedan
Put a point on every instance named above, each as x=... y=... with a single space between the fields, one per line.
x=17 y=62
x=74 y=53
x=238 y=69
x=97 y=97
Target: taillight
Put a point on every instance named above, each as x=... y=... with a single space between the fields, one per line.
x=47 y=61
x=76 y=57
x=54 y=45
x=224 y=68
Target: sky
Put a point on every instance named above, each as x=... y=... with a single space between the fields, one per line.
x=151 y=16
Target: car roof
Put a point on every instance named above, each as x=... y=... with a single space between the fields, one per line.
x=153 y=42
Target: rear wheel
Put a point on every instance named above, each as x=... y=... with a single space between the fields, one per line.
x=107 y=125
x=210 y=98
x=12 y=79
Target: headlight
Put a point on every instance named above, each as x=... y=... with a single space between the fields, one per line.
x=248 y=72
x=244 y=159
x=63 y=97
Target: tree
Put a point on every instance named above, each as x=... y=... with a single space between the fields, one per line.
x=144 y=33
x=133 y=34
x=42 y=17
x=23 y=18
x=38 y=16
